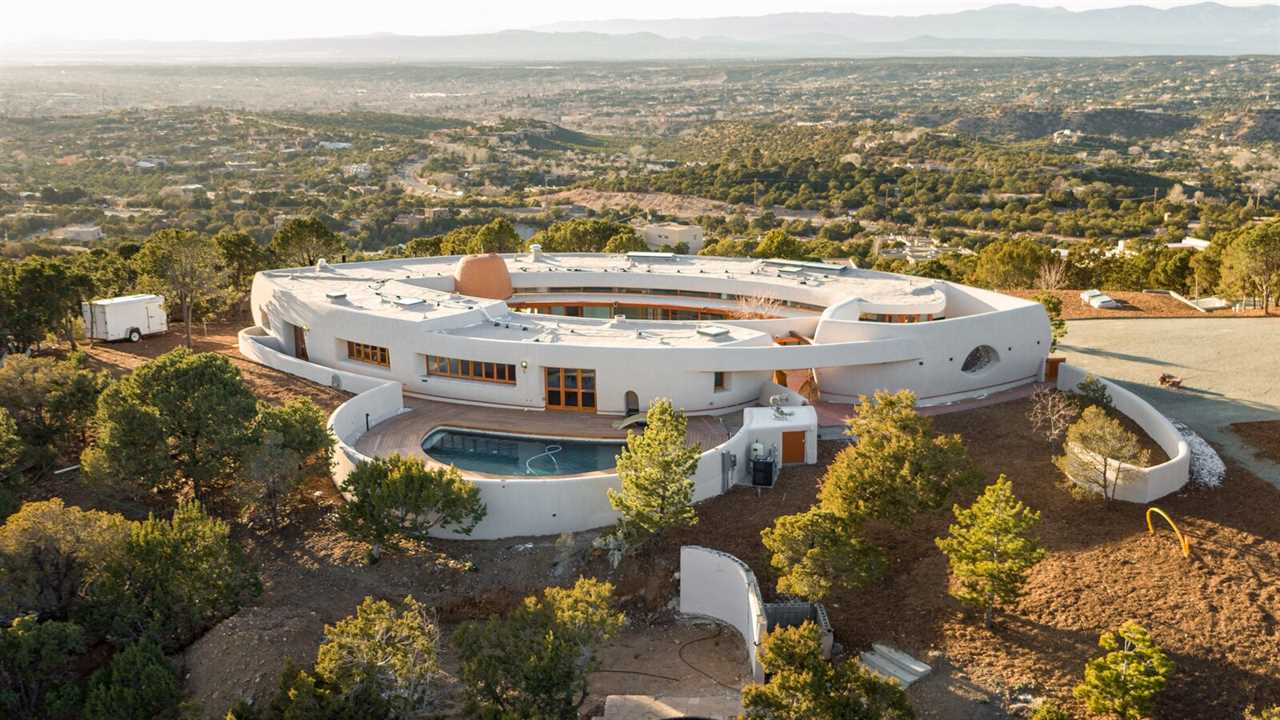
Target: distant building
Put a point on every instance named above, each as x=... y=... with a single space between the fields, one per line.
x=357 y=170
x=655 y=235
x=1189 y=243
x=335 y=145
x=79 y=233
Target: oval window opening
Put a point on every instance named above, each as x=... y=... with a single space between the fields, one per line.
x=980 y=358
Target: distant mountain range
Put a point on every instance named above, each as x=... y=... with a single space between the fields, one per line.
x=1000 y=30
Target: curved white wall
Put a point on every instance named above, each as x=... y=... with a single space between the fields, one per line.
x=1142 y=485
x=527 y=506
x=718 y=585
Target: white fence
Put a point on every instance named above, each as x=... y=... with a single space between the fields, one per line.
x=720 y=586
x=1142 y=485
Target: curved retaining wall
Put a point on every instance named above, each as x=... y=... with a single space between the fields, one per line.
x=1142 y=485
x=720 y=586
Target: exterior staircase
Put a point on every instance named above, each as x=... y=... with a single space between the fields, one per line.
x=893 y=664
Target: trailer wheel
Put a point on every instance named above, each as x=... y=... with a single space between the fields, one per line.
x=135 y=335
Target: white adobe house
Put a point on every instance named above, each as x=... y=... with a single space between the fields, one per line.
x=656 y=235
x=504 y=365
x=707 y=332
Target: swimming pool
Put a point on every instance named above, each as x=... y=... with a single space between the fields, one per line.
x=522 y=455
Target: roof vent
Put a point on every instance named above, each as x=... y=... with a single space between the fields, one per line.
x=714 y=332
x=535 y=252
x=336 y=296
x=408 y=302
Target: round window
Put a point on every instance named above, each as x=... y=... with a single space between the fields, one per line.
x=980 y=358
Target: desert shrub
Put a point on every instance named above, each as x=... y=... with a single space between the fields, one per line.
x=1093 y=392
x=138 y=684
x=397 y=497
x=534 y=662
x=390 y=653
x=36 y=675
x=50 y=554
x=801 y=684
x=174 y=579
x=1098 y=450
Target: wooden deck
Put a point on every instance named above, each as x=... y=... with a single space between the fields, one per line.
x=404 y=433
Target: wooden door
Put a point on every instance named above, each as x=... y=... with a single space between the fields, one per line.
x=793 y=447
x=299 y=343
x=572 y=389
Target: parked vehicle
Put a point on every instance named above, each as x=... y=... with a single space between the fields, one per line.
x=129 y=317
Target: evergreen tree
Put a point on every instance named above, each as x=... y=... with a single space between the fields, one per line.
x=1057 y=326
x=802 y=685
x=815 y=552
x=1097 y=451
x=11 y=447
x=991 y=549
x=181 y=264
x=656 y=470
x=303 y=242
x=534 y=662
x=394 y=497
x=391 y=654
x=292 y=440
x=1124 y=682
x=139 y=684
x=36 y=675
x=175 y=579
x=180 y=418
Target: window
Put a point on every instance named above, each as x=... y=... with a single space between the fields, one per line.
x=571 y=389
x=979 y=359
x=471 y=370
x=721 y=382
x=371 y=354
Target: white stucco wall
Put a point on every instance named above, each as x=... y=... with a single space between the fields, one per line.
x=718 y=585
x=1142 y=485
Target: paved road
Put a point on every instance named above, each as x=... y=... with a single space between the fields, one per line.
x=1230 y=369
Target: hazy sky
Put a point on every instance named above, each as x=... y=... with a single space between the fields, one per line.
x=22 y=21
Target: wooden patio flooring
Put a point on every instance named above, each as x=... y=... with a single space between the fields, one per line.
x=404 y=433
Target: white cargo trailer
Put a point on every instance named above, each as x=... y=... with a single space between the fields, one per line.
x=130 y=316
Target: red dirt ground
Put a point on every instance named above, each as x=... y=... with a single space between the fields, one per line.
x=269 y=384
x=1216 y=614
x=1263 y=436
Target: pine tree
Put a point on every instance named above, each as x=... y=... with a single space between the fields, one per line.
x=656 y=470
x=803 y=685
x=1097 y=451
x=139 y=684
x=1124 y=682
x=990 y=548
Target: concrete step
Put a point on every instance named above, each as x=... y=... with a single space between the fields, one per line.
x=894 y=664
x=903 y=659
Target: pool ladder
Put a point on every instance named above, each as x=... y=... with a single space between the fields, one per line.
x=549 y=451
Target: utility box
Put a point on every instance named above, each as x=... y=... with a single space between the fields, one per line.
x=124 y=318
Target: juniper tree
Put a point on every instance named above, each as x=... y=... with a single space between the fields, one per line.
x=138 y=684
x=802 y=685
x=534 y=662
x=182 y=418
x=397 y=497
x=1053 y=308
x=990 y=548
x=388 y=653
x=1124 y=682
x=656 y=469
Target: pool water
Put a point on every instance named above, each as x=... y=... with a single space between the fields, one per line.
x=520 y=455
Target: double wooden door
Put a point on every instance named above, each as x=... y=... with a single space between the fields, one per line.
x=572 y=389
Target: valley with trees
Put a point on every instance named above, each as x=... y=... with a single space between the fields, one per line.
x=172 y=542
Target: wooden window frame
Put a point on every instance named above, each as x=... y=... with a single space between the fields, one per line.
x=474 y=370
x=719 y=381
x=368 y=354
